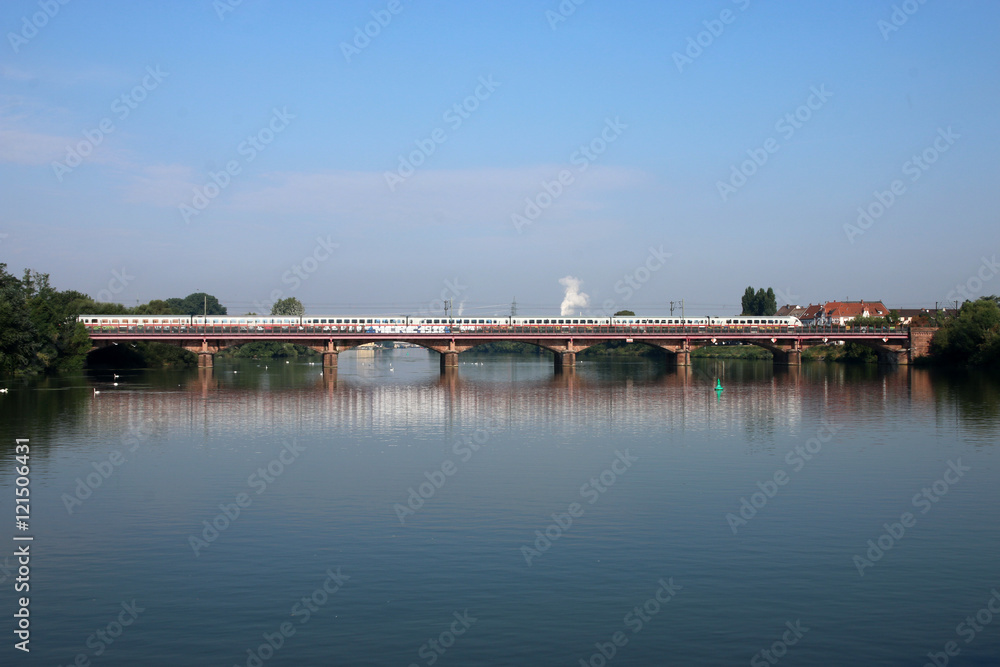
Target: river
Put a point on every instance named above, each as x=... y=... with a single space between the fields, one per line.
x=622 y=513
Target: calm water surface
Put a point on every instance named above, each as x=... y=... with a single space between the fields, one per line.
x=621 y=514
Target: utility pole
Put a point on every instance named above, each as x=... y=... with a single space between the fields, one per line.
x=447 y=306
x=682 y=309
x=513 y=307
x=672 y=308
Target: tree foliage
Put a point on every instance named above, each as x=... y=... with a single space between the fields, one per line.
x=198 y=303
x=759 y=302
x=972 y=337
x=288 y=307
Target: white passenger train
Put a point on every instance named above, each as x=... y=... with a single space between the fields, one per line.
x=380 y=324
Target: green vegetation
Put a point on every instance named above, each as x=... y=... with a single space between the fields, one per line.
x=263 y=349
x=39 y=332
x=507 y=347
x=972 y=337
x=198 y=303
x=288 y=307
x=759 y=302
x=38 y=327
x=266 y=349
x=852 y=353
x=623 y=349
x=732 y=352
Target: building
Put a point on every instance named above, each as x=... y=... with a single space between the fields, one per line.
x=834 y=312
x=842 y=312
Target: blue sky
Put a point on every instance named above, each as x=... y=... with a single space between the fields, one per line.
x=319 y=129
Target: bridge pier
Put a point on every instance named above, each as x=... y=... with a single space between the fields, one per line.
x=787 y=357
x=565 y=360
x=682 y=358
x=893 y=357
x=449 y=359
x=205 y=360
x=330 y=359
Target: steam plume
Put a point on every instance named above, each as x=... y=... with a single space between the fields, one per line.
x=574 y=298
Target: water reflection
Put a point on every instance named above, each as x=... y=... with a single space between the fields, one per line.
x=398 y=393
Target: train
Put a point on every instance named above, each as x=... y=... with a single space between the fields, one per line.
x=397 y=324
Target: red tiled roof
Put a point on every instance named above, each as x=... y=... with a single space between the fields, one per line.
x=838 y=309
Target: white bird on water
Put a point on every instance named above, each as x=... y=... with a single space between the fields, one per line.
x=96 y=392
x=3 y=391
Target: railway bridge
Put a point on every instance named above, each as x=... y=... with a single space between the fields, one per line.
x=894 y=345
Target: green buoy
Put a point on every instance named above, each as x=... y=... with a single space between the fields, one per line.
x=718 y=385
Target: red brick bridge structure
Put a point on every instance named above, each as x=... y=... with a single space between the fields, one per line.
x=894 y=345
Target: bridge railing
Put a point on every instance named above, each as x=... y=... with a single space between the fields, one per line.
x=469 y=330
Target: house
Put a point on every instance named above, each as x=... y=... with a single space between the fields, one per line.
x=842 y=312
x=908 y=315
x=791 y=311
x=812 y=312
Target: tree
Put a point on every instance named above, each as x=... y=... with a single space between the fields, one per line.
x=154 y=307
x=18 y=338
x=971 y=336
x=195 y=304
x=770 y=303
x=749 y=302
x=759 y=302
x=624 y=313
x=288 y=307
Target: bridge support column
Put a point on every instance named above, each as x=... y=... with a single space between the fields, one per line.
x=449 y=359
x=682 y=358
x=330 y=359
x=893 y=357
x=205 y=360
x=565 y=360
x=787 y=357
